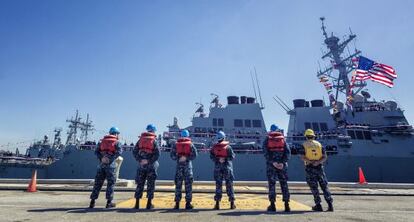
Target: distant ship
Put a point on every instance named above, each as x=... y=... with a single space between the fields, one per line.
x=373 y=135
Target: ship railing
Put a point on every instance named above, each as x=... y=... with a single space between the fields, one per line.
x=27 y=162
x=319 y=136
x=168 y=149
x=248 y=135
x=373 y=107
x=208 y=149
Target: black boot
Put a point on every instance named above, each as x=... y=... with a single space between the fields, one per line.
x=287 y=207
x=317 y=207
x=177 y=205
x=232 y=205
x=272 y=206
x=109 y=204
x=136 y=204
x=188 y=205
x=92 y=204
x=149 y=204
x=217 y=206
x=330 y=207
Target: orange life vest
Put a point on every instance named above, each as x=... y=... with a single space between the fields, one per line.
x=146 y=142
x=220 y=149
x=275 y=142
x=183 y=147
x=108 y=144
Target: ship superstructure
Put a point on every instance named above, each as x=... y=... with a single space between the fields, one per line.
x=356 y=130
x=241 y=120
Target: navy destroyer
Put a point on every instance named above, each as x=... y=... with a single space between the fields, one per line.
x=359 y=132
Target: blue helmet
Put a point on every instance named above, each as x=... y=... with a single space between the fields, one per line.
x=273 y=128
x=151 y=128
x=185 y=133
x=114 y=130
x=220 y=135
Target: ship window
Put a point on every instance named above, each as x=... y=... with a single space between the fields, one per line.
x=257 y=123
x=367 y=135
x=214 y=122
x=324 y=126
x=351 y=133
x=220 y=122
x=238 y=123
x=247 y=123
x=315 y=126
x=307 y=125
x=359 y=134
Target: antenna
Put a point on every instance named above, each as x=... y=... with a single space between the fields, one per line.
x=323 y=27
x=258 y=88
x=282 y=104
x=254 y=87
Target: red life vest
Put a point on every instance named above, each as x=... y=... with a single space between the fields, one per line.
x=220 y=149
x=183 y=146
x=146 y=142
x=108 y=144
x=275 y=142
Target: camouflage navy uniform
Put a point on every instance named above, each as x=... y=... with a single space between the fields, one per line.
x=272 y=172
x=184 y=171
x=106 y=171
x=315 y=175
x=224 y=171
x=146 y=172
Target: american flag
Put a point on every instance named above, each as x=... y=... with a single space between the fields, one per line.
x=377 y=72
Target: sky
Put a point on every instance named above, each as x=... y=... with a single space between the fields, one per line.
x=130 y=63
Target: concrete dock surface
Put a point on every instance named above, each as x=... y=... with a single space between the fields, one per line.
x=16 y=205
x=67 y=200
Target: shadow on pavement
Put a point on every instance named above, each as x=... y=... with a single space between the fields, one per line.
x=94 y=210
x=131 y=210
x=186 y=211
x=258 y=212
x=72 y=210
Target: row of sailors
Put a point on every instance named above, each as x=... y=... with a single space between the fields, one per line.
x=276 y=151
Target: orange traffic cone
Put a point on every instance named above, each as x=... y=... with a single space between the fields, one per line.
x=362 y=179
x=33 y=183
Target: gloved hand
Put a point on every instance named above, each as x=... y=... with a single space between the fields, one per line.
x=278 y=166
x=143 y=162
x=182 y=159
x=105 y=160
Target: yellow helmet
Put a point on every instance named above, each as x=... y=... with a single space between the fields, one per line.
x=309 y=133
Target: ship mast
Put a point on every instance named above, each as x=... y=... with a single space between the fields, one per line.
x=344 y=65
x=76 y=124
x=86 y=127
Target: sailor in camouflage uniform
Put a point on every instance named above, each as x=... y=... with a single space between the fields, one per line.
x=314 y=156
x=184 y=152
x=222 y=154
x=107 y=151
x=277 y=154
x=146 y=153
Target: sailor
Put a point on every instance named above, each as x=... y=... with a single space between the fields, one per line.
x=146 y=152
x=107 y=151
x=277 y=154
x=222 y=154
x=183 y=152
x=314 y=156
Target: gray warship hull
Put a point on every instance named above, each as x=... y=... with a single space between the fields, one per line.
x=82 y=164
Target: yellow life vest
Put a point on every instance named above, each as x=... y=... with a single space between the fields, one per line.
x=313 y=150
